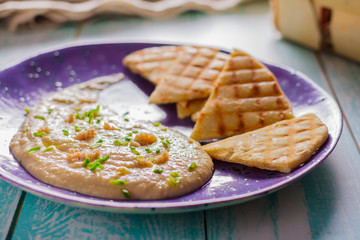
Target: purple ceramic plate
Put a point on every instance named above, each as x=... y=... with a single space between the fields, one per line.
x=23 y=85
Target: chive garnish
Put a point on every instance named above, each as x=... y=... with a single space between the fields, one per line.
x=26 y=128
x=39 y=134
x=91 y=116
x=95 y=166
x=134 y=151
x=98 y=121
x=175 y=174
x=27 y=111
x=173 y=181
x=103 y=159
x=157 y=151
x=151 y=159
x=96 y=145
x=161 y=137
x=135 y=131
x=97 y=163
x=139 y=157
x=34 y=149
x=80 y=116
x=118 y=143
x=39 y=117
x=126 y=193
x=86 y=162
x=48 y=149
x=50 y=110
x=126 y=119
x=148 y=150
x=77 y=129
x=118 y=182
x=129 y=134
x=165 y=144
x=164 y=129
x=99 y=141
x=128 y=139
x=158 y=170
x=126 y=113
x=192 y=166
x=66 y=133
x=78 y=109
x=157 y=124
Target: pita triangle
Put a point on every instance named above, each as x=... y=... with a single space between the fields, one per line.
x=187 y=108
x=192 y=76
x=246 y=97
x=152 y=63
x=281 y=146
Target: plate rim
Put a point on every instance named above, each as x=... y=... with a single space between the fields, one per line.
x=186 y=206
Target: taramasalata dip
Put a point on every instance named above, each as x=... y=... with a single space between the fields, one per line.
x=71 y=141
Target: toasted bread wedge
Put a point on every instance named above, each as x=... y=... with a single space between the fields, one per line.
x=187 y=108
x=192 y=76
x=281 y=146
x=246 y=97
x=152 y=63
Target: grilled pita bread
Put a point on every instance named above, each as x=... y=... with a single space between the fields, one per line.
x=192 y=76
x=152 y=63
x=282 y=146
x=246 y=97
x=187 y=108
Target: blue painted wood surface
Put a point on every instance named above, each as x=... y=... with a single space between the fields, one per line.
x=322 y=205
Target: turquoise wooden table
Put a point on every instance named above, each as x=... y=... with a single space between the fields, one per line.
x=325 y=204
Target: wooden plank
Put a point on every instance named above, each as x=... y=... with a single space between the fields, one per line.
x=9 y=198
x=344 y=76
x=15 y=47
x=43 y=219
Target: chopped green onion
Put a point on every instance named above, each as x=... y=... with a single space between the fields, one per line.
x=157 y=151
x=118 y=182
x=151 y=159
x=77 y=109
x=96 y=145
x=27 y=111
x=80 y=116
x=99 y=141
x=129 y=134
x=126 y=119
x=86 y=162
x=48 y=149
x=175 y=174
x=39 y=117
x=97 y=108
x=101 y=167
x=98 y=121
x=34 y=149
x=66 y=133
x=26 y=128
x=161 y=137
x=165 y=144
x=95 y=166
x=126 y=193
x=50 y=110
x=128 y=139
x=164 y=129
x=91 y=116
x=134 y=151
x=126 y=113
x=148 y=150
x=140 y=157
x=173 y=181
x=158 y=170
x=192 y=166
x=118 y=143
x=135 y=131
x=77 y=129
x=157 y=124
x=104 y=159
x=39 y=134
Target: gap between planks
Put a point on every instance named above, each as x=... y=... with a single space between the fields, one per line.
x=333 y=92
x=16 y=216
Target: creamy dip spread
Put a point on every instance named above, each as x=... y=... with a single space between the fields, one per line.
x=71 y=141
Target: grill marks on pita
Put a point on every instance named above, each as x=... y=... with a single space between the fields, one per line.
x=246 y=97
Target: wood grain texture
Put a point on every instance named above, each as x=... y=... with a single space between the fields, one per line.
x=344 y=76
x=9 y=198
x=43 y=219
